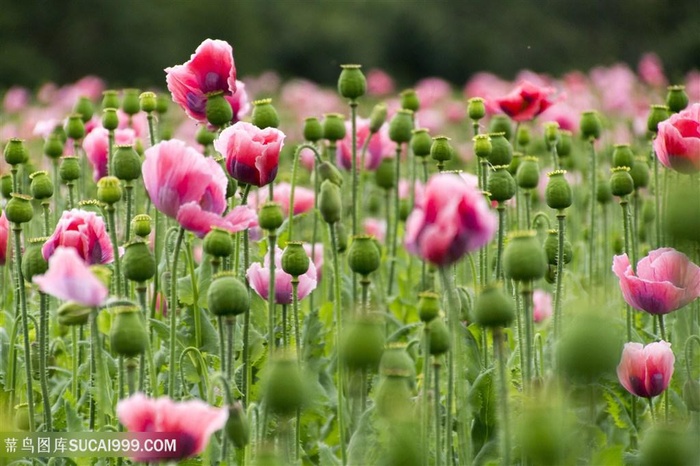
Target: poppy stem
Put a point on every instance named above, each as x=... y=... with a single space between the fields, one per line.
x=173 y=313
x=425 y=405
x=561 y=217
x=43 y=370
x=271 y=241
x=338 y=332
x=395 y=221
x=503 y=386
x=436 y=398
x=592 y=237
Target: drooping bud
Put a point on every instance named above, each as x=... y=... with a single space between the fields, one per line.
x=342 y=237
x=138 y=262
x=501 y=150
x=19 y=208
x=409 y=100
x=148 y=101
x=237 y=428
x=528 y=174
x=218 y=110
x=501 y=124
x=501 y=184
x=333 y=127
x=227 y=295
x=130 y=103
x=264 y=114
x=385 y=175
x=41 y=186
x=109 y=190
x=657 y=114
x=428 y=306
x=482 y=145
x=558 y=194
x=364 y=256
x=16 y=151
x=441 y=150
x=421 y=142
x=330 y=202
x=270 y=217
x=69 y=170
x=110 y=99
x=313 y=131
x=295 y=262
x=377 y=117
x=401 y=126
x=524 y=259
x=476 y=108
x=493 y=308
x=352 y=82
x=328 y=171
x=622 y=156
x=85 y=108
x=621 y=183
x=677 y=98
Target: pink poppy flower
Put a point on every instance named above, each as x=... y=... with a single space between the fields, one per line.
x=379 y=82
x=651 y=70
x=96 y=146
x=252 y=154
x=526 y=101
x=240 y=104
x=452 y=220
x=646 y=371
x=419 y=190
x=542 y=309
x=191 y=422
x=69 y=278
x=4 y=236
x=192 y=217
x=259 y=277
x=677 y=144
x=16 y=99
x=210 y=69
x=303 y=198
x=315 y=253
x=665 y=281
x=83 y=231
x=379 y=146
x=375 y=227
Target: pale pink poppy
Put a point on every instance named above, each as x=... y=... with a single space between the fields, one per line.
x=646 y=371
x=69 y=278
x=375 y=227
x=379 y=146
x=240 y=104
x=194 y=218
x=677 y=144
x=83 y=231
x=16 y=99
x=303 y=198
x=259 y=277
x=651 y=70
x=542 y=308
x=432 y=90
x=315 y=253
x=379 y=82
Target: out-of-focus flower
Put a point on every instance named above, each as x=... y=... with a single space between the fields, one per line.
x=16 y=99
x=83 y=231
x=315 y=253
x=379 y=82
x=4 y=235
x=259 y=277
x=96 y=147
x=69 y=278
x=375 y=227
x=303 y=198
x=646 y=371
x=526 y=101
x=651 y=70
x=677 y=144
x=379 y=146
x=665 y=281
x=542 y=309
x=240 y=104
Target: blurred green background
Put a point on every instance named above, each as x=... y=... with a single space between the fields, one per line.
x=129 y=42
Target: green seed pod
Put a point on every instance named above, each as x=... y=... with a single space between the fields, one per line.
x=476 y=109
x=670 y=446
x=558 y=194
x=579 y=359
x=528 y=174
x=501 y=184
x=75 y=128
x=393 y=399
x=441 y=150
x=385 y=175
x=352 y=82
x=283 y=391
x=657 y=114
x=71 y=313
x=501 y=150
x=141 y=225
x=22 y=417
x=41 y=186
x=148 y=101
x=523 y=136
x=110 y=99
x=439 y=337
x=6 y=185
x=53 y=146
x=295 y=262
x=691 y=395
x=162 y=103
x=218 y=243
x=618 y=244
x=377 y=117
x=640 y=173
x=603 y=193
x=493 y=308
x=264 y=114
x=363 y=342
x=69 y=170
x=270 y=217
x=19 y=208
x=330 y=202
x=363 y=256
x=333 y=127
x=128 y=336
x=515 y=163
x=482 y=145
x=237 y=428
x=138 y=262
x=409 y=100
x=648 y=211
x=16 y=152
x=85 y=108
x=428 y=306
x=313 y=131
x=204 y=137
x=677 y=98
x=342 y=237
x=524 y=259
x=110 y=119
x=551 y=248
x=622 y=156
x=551 y=134
x=501 y=124
x=328 y=171
x=401 y=126
x=227 y=295
x=621 y=183
x=396 y=362
x=33 y=262
x=421 y=142
x=544 y=434
x=590 y=125
x=564 y=143
x=218 y=110
x=109 y=190
x=130 y=103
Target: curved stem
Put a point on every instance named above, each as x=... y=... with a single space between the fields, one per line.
x=200 y=366
x=338 y=332
x=541 y=215
x=173 y=312
x=19 y=285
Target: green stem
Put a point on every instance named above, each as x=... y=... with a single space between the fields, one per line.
x=338 y=332
x=151 y=129
x=43 y=370
x=99 y=378
x=230 y=342
x=295 y=166
x=436 y=398
x=503 y=386
x=657 y=195
x=555 y=156
x=110 y=152
x=424 y=395
x=526 y=292
x=561 y=217
x=74 y=356
x=141 y=292
x=19 y=285
x=195 y=294
x=200 y=366
x=71 y=195
x=592 y=237
x=271 y=342
x=173 y=312
x=528 y=201
x=395 y=222
x=625 y=222
x=501 y=236
x=365 y=282
x=115 y=247
x=129 y=194
x=222 y=346
x=46 y=214
x=297 y=346
x=131 y=375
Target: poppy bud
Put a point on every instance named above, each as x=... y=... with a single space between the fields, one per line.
x=237 y=428
x=33 y=262
x=579 y=359
x=476 y=108
x=400 y=126
x=270 y=217
x=393 y=398
x=227 y=295
x=441 y=150
x=22 y=417
x=640 y=173
x=405 y=208
x=19 y=208
x=515 y=163
x=551 y=134
x=363 y=343
x=16 y=152
x=551 y=248
x=622 y=156
x=428 y=306
x=162 y=103
x=493 y=308
x=352 y=83
x=313 y=131
x=264 y=114
x=53 y=146
x=396 y=362
x=543 y=434
x=342 y=237
x=333 y=127
x=110 y=99
x=501 y=184
x=69 y=170
x=523 y=136
x=564 y=143
x=621 y=183
x=295 y=262
x=409 y=100
x=482 y=145
x=148 y=101
x=603 y=193
x=524 y=259
x=130 y=103
x=657 y=114
x=385 y=175
x=138 y=262
x=109 y=190
x=439 y=337
x=128 y=336
x=528 y=174
x=205 y=137
x=85 y=108
x=218 y=243
x=41 y=186
x=328 y=171
x=6 y=185
x=558 y=193
x=363 y=256
x=75 y=128
x=377 y=117
x=590 y=125
x=218 y=110
x=501 y=124
x=141 y=225
x=677 y=98
x=283 y=390
x=329 y=202
x=501 y=150
x=421 y=142
x=72 y=313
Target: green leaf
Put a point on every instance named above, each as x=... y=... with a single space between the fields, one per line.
x=611 y=456
x=483 y=398
x=73 y=422
x=326 y=456
x=210 y=338
x=616 y=409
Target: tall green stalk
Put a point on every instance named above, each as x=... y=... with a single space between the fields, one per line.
x=115 y=247
x=271 y=242
x=43 y=370
x=19 y=285
x=395 y=221
x=498 y=343
x=338 y=332
x=592 y=237
x=173 y=313
x=561 y=217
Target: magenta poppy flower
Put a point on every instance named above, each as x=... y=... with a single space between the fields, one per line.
x=665 y=281
x=4 y=235
x=646 y=370
x=83 y=231
x=526 y=101
x=542 y=309
x=453 y=220
x=259 y=277
x=69 y=278
x=96 y=147
x=252 y=154
x=677 y=144
x=379 y=146
x=210 y=69
x=191 y=423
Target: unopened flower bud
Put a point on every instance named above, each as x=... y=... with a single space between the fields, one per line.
x=264 y=114
x=428 y=306
x=330 y=202
x=148 y=101
x=396 y=362
x=270 y=217
x=295 y=261
x=501 y=184
x=71 y=313
x=227 y=295
x=493 y=308
x=528 y=174
x=364 y=256
x=385 y=175
x=328 y=171
x=75 y=128
x=409 y=100
x=441 y=150
x=333 y=127
x=622 y=156
x=640 y=173
x=33 y=262
x=342 y=237
x=218 y=243
x=657 y=114
x=421 y=142
x=110 y=99
x=551 y=133
x=579 y=359
x=564 y=143
x=85 y=108
x=377 y=117
x=401 y=126
x=41 y=186
x=669 y=445
x=621 y=183
x=558 y=193
x=524 y=259
x=6 y=185
x=162 y=103
x=109 y=190
x=138 y=262
x=352 y=82
x=205 y=137
x=218 y=110
x=363 y=343
x=53 y=146
x=21 y=414
x=313 y=131
x=691 y=395
x=603 y=193
x=19 y=208
x=237 y=428
x=482 y=145
x=130 y=103
x=439 y=337
x=523 y=136
x=476 y=108
x=677 y=98
x=16 y=151
x=501 y=124
x=590 y=125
